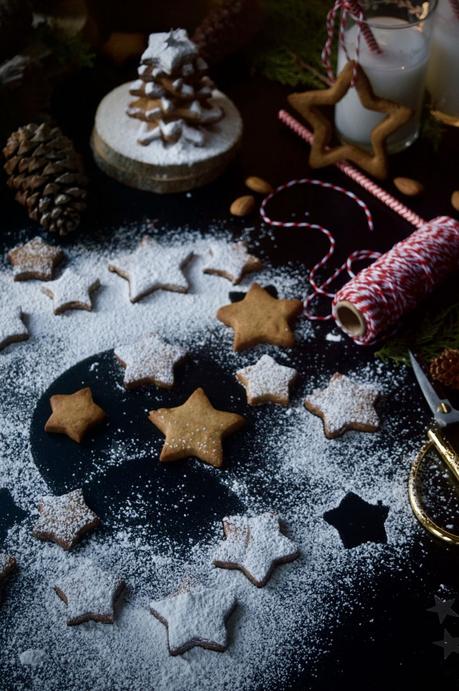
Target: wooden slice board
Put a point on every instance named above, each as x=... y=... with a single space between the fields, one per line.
x=158 y=167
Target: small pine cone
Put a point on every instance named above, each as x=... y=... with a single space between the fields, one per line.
x=445 y=368
x=227 y=29
x=44 y=170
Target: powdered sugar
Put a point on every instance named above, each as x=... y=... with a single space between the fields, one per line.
x=64 y=519
x=149 y=360
x=231 y=261
x=71 y=291
x=267 y=381
x=12 y=328
x=34 y=259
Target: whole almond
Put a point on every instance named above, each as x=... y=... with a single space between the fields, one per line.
x=455 y=200
x=243 y=206
x=409 y=187
x=258 y=185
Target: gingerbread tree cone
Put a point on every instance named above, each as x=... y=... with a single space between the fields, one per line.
x=173 y=92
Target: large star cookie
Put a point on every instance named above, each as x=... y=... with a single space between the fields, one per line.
x=152 y=267
x=12 y=328
x=71 y=291
x=195 y=428
x=64 y=519
x=344 y=405
x=149 y=360
x=267 y=381
x=7 y=566
x=255 y=545
x=195 y=618
x=34 y=259
x=232 y=261
x=260 y=318
x=74 y=414
x=89 y=593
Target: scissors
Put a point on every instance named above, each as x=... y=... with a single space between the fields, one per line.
x=443 y=438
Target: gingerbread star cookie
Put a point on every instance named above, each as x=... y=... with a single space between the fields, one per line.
x=232 y=261
x=74 y=414
x=7 y=566
x=195 y=618
x=195 y=428
x=12 y=328
x=71 y=291
x=65 y=519
x=152 y=267
x=150 y=360
x=255 y=545
x=344 y=405
x=34 y=259
x=267 y=381
x=89 y=593
x=260 y=318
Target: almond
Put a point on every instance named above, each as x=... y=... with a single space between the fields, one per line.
x=259 y=185
x=455 y=200
x=409 y=187
x=243 y=206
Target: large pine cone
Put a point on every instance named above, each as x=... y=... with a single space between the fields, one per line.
x=44 y=169
x=445 y=368
x=227 y=29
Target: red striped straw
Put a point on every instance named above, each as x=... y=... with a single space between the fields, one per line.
x=368 y=35
x=455 y=5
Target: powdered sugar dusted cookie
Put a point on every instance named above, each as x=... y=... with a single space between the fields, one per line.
x=34 y=259
x=267 y=381
x=232 y=261
x=255 y=545
x=7 y=566
x=150 y=360
x=89 y=593
x=71 y=291
x=74 y=414
x=344 y=405
x=152 y=267
x=64 y=519
x=12 y=328
x=195 y=618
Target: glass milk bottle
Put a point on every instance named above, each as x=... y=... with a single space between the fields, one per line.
x=443 y=73
x=397 y=72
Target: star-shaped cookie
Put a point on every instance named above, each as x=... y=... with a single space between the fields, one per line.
x=152 y=267
x=12 y=328
x=260 y=318
x=74 y=414
x=255 y=545
x=266 y=381
x=308 y=105
x=195 y=428
x=150 y=360
x=232 y=261
x=195 y=618
x=34 y=259
x=344 y=405
x=7 y=566
x=89 y=593
x=65 y=519
x=71 y=291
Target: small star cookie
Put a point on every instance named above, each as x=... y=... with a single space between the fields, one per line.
x=89 y=593
x=12 y=328
x=195 y=618
x=344 y=405
x=34 y=259
x=71 y=291
x=152 y=267
x=255 y=545
x=65 y=519
x=74 y=414
x=7 y=566
x=232 y=261
x=195 y=428
x=149 y=360
x=260 y=318
x=267 y=381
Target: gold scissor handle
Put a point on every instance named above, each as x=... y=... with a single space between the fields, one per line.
x=416 y=505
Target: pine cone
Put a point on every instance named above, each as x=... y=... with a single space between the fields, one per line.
x=227 y=29
x=445 y=368
x=44 y=169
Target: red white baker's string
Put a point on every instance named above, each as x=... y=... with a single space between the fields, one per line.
x=322 y=288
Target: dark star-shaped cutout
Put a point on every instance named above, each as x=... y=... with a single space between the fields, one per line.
x=10 y=514
x=450 y=644
x=444 y=608
x=357 y=521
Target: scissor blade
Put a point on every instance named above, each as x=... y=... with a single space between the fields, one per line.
x=431 y=396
